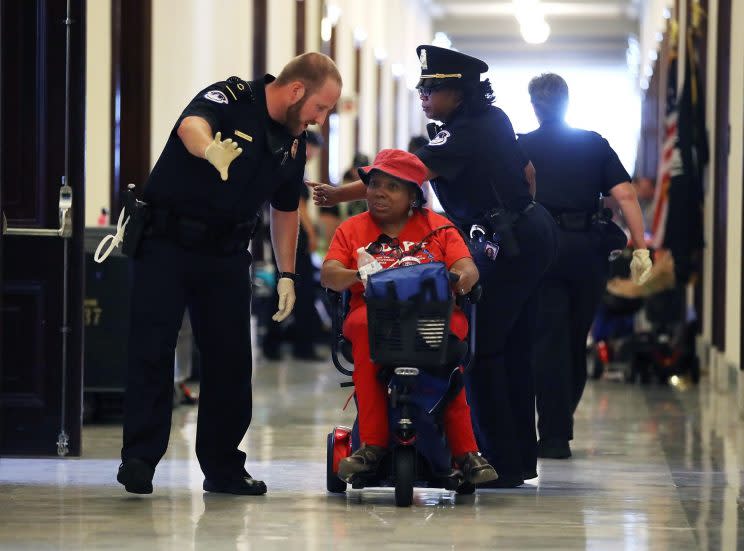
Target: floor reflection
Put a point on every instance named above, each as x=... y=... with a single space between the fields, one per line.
x=654 y=467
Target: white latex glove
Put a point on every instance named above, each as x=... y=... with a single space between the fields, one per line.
x=221 y=153
x=640 y=266
x=369 y=269
x=286 y=290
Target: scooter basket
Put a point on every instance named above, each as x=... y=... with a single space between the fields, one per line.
x=408 y=313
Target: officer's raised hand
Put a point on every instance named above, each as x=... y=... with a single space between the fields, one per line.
x=220 y=153
x=286 y=291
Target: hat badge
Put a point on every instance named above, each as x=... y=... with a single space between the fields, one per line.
x=422 y=59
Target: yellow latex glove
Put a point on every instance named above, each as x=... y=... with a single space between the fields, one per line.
x=221 y=153
x=640 y=266
x=285 y=289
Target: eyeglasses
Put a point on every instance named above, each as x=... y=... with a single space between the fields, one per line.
x=426 y=91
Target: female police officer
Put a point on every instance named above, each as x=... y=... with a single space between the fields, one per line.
x=482 y=179
x=194 y=254
x=574 y=167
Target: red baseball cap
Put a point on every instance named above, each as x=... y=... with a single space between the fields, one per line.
x=399 y=164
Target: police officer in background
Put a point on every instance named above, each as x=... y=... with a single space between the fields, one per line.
x=574 y=167
x=236 y=145
x=483 y=181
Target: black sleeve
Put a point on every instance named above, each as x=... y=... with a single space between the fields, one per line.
x=506 y=142
x=287 y=196
x=449 y=152
x=613 y=171
x=212 y=104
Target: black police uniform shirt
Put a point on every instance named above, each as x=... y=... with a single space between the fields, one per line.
x=573 y=166
x=473 y=154
x=270 y=168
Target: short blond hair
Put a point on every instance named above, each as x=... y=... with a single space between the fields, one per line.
x=312 y=69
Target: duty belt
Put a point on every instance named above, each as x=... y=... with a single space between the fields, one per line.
x=580 y=221
x=199 y=235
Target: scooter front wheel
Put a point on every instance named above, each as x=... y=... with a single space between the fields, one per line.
x=405 y=474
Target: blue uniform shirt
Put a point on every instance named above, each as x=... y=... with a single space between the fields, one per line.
x=473 y=155
x=574 y=167
x=270 y=168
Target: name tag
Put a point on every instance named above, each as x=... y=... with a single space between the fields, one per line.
x=243 y=135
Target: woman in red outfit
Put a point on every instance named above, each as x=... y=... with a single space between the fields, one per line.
x=396 y=225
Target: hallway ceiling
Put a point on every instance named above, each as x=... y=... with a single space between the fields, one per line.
x=589 y=32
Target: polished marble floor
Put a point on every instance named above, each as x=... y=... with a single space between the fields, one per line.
x=653 y=468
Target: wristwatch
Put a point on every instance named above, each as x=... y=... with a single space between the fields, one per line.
x=288 y=275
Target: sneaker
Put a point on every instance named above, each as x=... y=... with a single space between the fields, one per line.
x=136 y=476
x=244 y=486
x=476 y=469
x=553 y=449
x=363 y=461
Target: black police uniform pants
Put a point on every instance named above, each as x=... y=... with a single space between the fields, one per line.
x=500 y=385
x=217 y=292
x=569 y=297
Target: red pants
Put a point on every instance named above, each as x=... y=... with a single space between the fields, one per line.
x=371 y=393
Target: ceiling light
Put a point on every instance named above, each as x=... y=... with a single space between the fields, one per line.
x=535 y=31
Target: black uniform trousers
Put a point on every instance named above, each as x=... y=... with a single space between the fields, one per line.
x=500 y=385
x=217 y=291
x=569 y=296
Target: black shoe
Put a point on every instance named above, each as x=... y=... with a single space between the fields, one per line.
x=503 y=481
x=245 y=486
x=529 y=475
x=553 y=449
x=136 y=476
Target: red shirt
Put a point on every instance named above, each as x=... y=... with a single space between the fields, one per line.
x=361 y=231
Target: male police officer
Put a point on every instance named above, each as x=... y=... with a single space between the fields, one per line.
x=203 y=197
x=574 y=167
x=483 y=181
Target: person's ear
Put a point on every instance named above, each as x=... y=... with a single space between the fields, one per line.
x=297 y=91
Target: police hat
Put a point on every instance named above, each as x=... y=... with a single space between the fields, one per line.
x=440 y=65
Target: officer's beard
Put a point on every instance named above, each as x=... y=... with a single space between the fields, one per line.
x=294 y=123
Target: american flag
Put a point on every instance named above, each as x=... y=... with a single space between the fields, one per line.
x=670 y=162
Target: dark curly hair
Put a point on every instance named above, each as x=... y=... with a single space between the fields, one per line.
x=477 y=96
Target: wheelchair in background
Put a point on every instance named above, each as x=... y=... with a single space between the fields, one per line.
x=420 y=361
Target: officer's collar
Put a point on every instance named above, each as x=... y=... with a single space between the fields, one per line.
x=552 y=122
x=458 y=113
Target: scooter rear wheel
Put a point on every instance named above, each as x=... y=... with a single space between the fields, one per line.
x=333 y=483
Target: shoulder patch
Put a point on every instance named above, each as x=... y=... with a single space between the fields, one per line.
x=441 y=138
x=239 y=88
x=216 y=96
